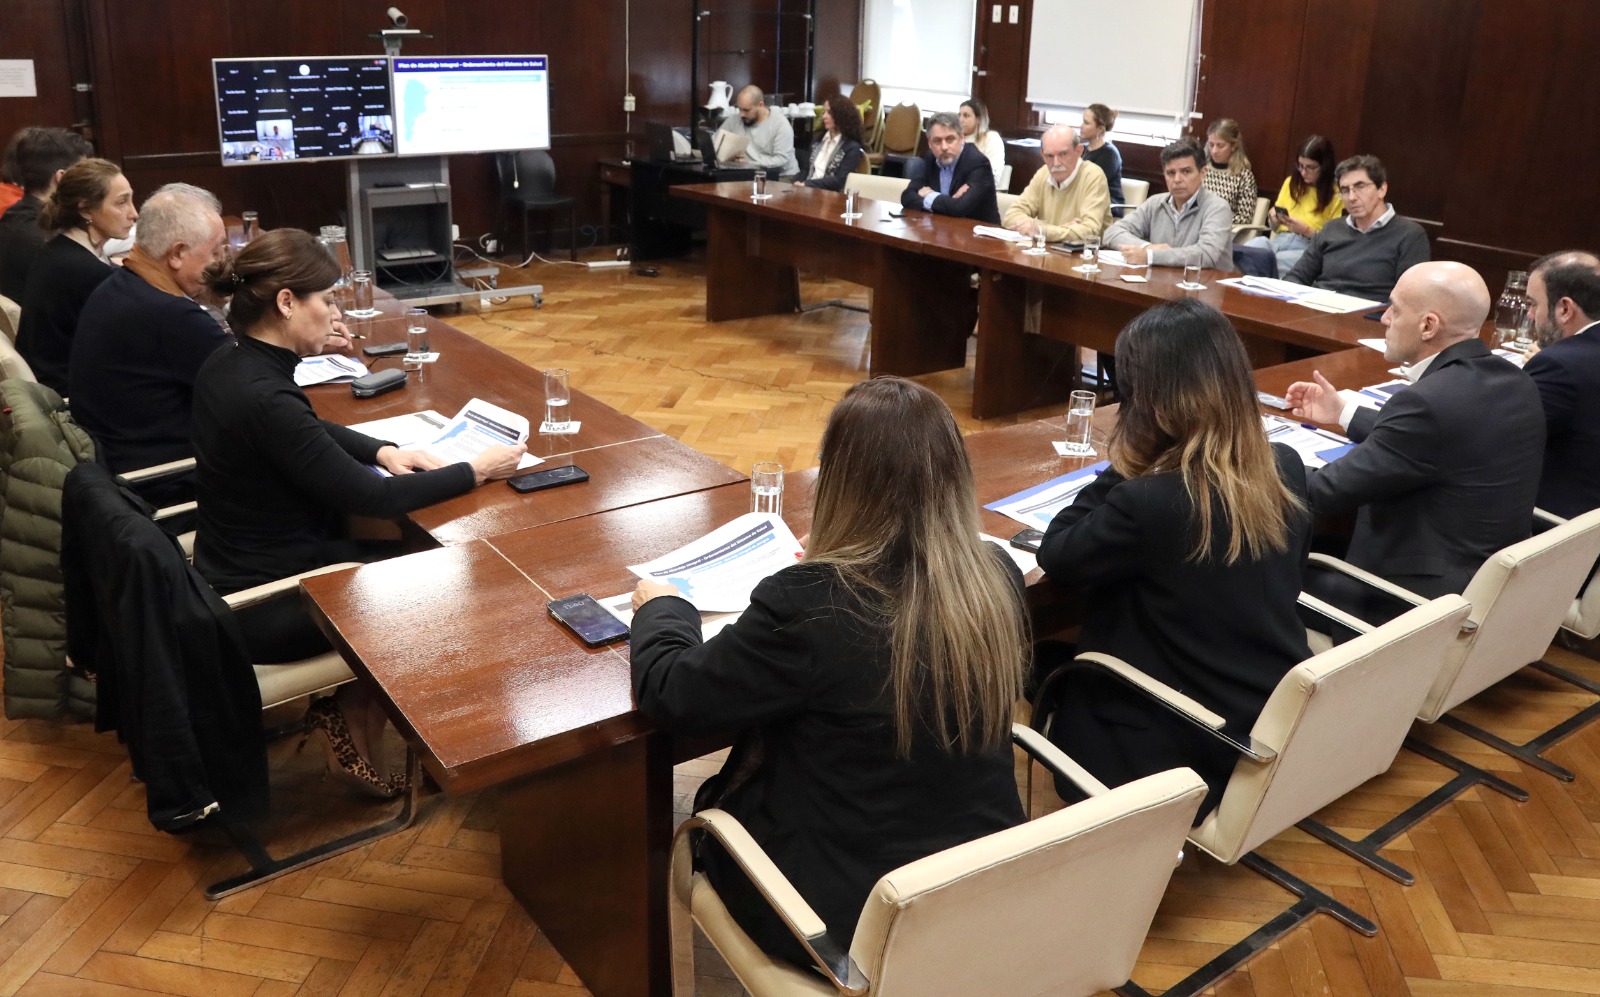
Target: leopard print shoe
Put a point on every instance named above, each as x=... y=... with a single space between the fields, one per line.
x=340 y=755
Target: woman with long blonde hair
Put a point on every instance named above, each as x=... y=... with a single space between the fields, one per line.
x=1228 y=174
x=870 y=686
x=1188 y=549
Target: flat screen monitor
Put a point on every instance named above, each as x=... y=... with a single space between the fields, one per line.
x=447 y=105
x=284 y=110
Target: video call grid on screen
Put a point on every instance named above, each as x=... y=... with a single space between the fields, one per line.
x=282 y=110
x=460 y=104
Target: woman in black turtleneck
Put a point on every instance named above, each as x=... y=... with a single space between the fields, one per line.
x=275 y=483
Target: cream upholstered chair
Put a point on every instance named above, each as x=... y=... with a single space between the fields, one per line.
x=1583 y=619
x=1258 y=222
x=1058 y=905
x=1004 y=201
x=12 y=364
x=1334 y=721
x=1002 y=183
x=879 y=188
x=10 y=318
x=1520 y=598
x=1134 y=192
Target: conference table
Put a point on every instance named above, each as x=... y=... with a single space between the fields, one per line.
x=628 y=462
x=919 y=266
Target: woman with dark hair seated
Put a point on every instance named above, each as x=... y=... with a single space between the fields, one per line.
x=275 y=482
x=1307 y=202
x=870 y=686
x=1188 y=551
x=840 y=151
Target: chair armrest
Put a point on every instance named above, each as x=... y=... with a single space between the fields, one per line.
x=1189 y=709
x=1053 y=758
x=175 y=510
x=1240 y=230
x=271 y=590
x=1334 y=613
x=159 y=470
x=1541 y=516
x=1366 y=577
x=811 y=931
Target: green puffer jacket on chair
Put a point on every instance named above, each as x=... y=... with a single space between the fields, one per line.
x=39 y=444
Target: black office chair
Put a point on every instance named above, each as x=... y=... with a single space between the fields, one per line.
x=528 y=184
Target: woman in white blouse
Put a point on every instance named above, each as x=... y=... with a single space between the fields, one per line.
x=836 y=156
x=975 y=129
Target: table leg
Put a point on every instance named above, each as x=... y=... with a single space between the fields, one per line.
x=1004 y=381
x=739 y=284
x=923 y=310
x=585 y=848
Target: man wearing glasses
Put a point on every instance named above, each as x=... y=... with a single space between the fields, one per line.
x=1365 y=256
x=1068 y=198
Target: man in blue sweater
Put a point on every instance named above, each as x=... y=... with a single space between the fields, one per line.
x=1365 y=254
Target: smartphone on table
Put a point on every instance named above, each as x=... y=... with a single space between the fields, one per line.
x=587 y=619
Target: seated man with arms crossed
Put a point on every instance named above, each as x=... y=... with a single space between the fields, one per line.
x=952 y=177
x=1366 y=254
x=1186 y=226
x=1444 y=475
x=771 y=136
x=142 y=338
x=40 y=155
x=1068 y=197
x=1564 y=290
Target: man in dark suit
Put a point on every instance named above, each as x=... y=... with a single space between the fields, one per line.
x=1444 y=475
x=1564 y=291
x=952 y=177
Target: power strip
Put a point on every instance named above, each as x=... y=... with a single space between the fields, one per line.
x=608 y=264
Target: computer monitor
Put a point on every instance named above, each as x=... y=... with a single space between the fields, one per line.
x=454 y=104
x=292 y=109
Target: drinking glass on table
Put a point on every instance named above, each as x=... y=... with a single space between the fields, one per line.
x=416 y=334
x=361 y=291
x=1036 y=242
x=1080 y=423
x=251 y=222
x=1191 y=278
x=758 y=186
x=766 y=487
x=1091 y=255
x=557 y=399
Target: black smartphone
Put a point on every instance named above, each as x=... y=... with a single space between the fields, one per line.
x=384 y=350
x=897 y=213
x=552 y=477
x=1028 y=540
x=588 y=619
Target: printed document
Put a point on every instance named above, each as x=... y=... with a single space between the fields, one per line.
x=718 y=572
x=730 y=146
x=1316 y=447
x=330 y=368
x=477 y=427
x=1038 y=505
x=1314 y=298
x=1005 y=234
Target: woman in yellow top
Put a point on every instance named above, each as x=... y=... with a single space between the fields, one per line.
x=1306 y=202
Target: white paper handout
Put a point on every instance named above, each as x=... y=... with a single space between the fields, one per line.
x=1316 y=447
x=621 y=606
x=1314 y=298
x=718 y=572
x=730 y=146
x=1005 y=234
x=1116 y=259
x=1038 y=505
x=330 y=368
x=404 y=431
x=477 y=427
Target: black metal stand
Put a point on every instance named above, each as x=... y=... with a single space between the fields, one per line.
x=1530 y=751
x=1311 y=901
x=264 y=867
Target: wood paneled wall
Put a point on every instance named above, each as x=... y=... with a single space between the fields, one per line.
x=153 y=91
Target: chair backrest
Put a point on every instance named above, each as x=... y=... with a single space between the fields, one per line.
x=529 y=172
x=1024 y=911
x=902 y=129
x=1335 y=721
x=10 y=317
x=1519 y=599
x=1004 y=201
x=1259 y=216
x=12 y=364
x=879 y=188
x=868 y=93
x=1003 y=182
x=863 y=164
x=1135 y=192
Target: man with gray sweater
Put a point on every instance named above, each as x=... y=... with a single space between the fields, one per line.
x=1186 y=226
x=1365 y=254
x=771 y=136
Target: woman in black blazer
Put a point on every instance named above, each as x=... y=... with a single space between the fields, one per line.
x=840 y=151
x=1189 y=551
x=870 y=686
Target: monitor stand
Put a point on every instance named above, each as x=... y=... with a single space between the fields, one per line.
x=401 y=230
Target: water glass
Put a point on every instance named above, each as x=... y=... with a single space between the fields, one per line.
x=766 y=487
x=557 y=398
x=850 y=205
x=1091 y=255
x=1036 y=247
x=758 y=185
x=1524 y=340
x=252 y=227
x=1191 y=278
x=416 y=334
x=361 y=291
x=1080 y=423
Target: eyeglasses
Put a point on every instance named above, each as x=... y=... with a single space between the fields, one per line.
x=1308 y=167
x=1356 y=188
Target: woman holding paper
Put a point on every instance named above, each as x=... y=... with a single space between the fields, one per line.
x=275 y=483
x=1188 y=552
x=870 y=686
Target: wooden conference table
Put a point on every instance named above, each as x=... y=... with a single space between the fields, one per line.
x=919 y=268
x=628 y=462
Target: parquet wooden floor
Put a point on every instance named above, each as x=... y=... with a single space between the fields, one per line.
x=94 y=902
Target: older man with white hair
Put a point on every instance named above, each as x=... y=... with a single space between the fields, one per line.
x=142 y=335
x=1445 y=473
x=1068 y=197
